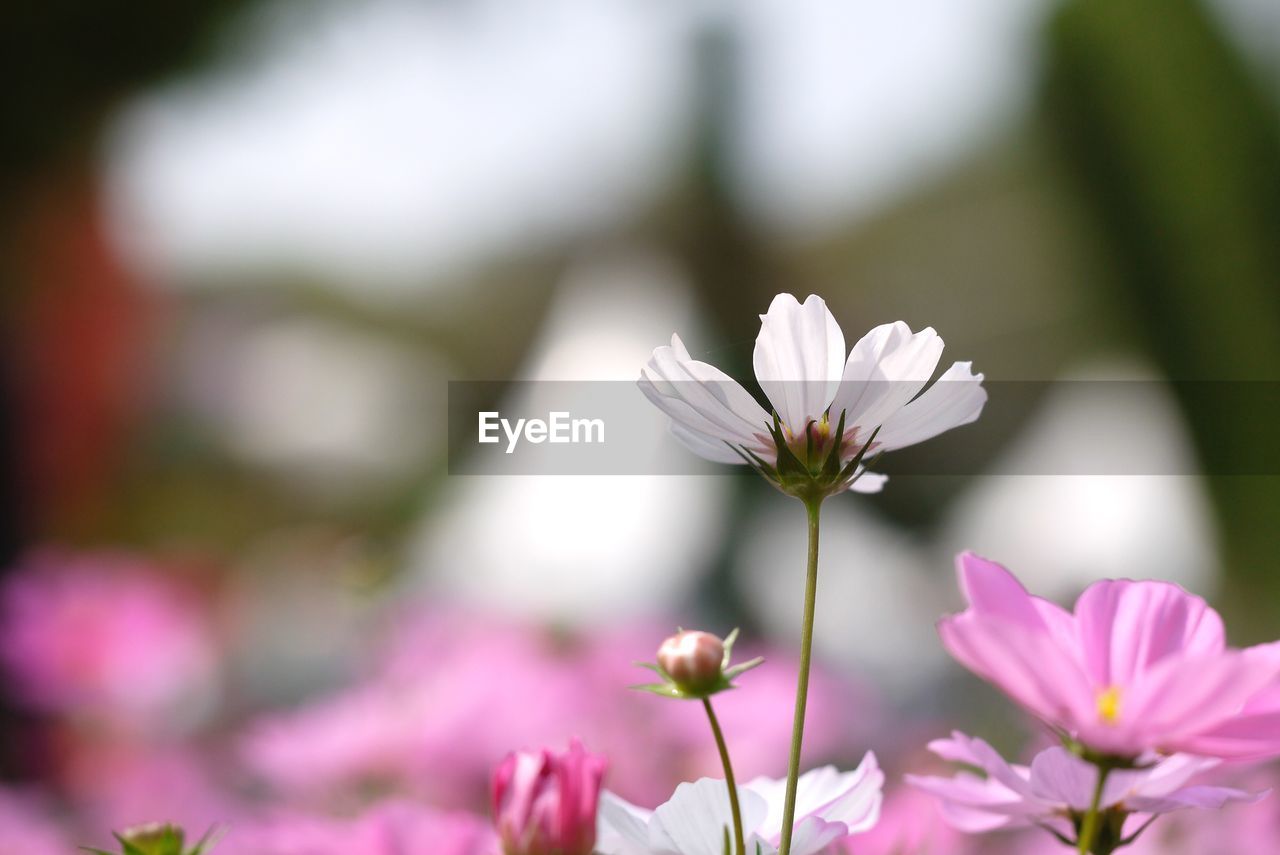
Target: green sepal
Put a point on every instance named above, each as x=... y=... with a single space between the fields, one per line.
x=728 y=642
x=208 y=840
x=671 y=690
x=789 y=465
x=851 y=467
x=668 y=688
x=736 y=670
x=831 y=466
x=167 y=839
x=753 y=460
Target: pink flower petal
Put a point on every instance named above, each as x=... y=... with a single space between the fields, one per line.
x=1126 y=627
x=1025 y=664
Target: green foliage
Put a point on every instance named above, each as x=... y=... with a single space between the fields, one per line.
x=1175 y=148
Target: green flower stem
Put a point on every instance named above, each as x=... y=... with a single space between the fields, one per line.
x=1089 y=828
x=739 y=835
x=813 y=507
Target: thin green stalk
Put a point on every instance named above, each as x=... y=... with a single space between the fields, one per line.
x=1089 y=828
x=739 y=836
x=813 y=506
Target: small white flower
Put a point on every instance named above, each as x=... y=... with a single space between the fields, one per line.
x=801 y=365
x=830 y=805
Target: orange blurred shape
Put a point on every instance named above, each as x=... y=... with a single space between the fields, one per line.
x=81 y=341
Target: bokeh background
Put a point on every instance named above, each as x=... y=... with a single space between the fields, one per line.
x=245 y=245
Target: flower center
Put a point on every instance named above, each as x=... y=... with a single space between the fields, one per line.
x=1109 y=704
x=817 y=432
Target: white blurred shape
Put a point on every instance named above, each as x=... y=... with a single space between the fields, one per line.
x=296 y=622
x=381 y=141
x=852 y=103
x=877 y=602
x=330 y=407
x=584 y=549
x=1255 y=25
x=1058 y=533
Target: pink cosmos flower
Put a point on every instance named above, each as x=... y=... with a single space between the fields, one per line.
x=1057 y=788
x=1138 y=666
x=544 y=803
x=103 y=633
x=811 y=382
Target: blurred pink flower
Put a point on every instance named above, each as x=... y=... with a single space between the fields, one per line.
x=27 y=828
x=544 y=802
x=451 y=693
x=390 y=828
x=1058 y=786
x=119 y=784
x=910 y=824
x=1139 y=666
x=105 y=634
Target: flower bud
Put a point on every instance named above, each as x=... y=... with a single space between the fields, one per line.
x=692 y=659
x=160 y=839
x=545 y=803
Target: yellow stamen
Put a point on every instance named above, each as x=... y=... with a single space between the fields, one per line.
x=1109 y=704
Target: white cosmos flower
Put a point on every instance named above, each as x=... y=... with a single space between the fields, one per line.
x=801 y=365
x=830 y=805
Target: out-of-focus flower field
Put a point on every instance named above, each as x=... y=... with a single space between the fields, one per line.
x=251 y=250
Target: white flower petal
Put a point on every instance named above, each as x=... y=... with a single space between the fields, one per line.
x=711 y=406
x=706 y=447
x=622 y=828
x=799 y=358
x=955 y=399
x=852 y=798
x=813 y=834
x=868 y=482
x=858 y=807
x=861 y=381
x=723 y=388
x=885 y=373
x=693 y=821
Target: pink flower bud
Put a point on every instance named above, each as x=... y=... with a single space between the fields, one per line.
x=545 y=803
x=692 y=659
